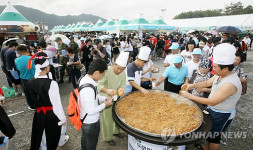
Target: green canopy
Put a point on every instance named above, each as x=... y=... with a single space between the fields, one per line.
x=10 y=16
x=109 y=22
x=158 y=22
x=99 y=23
x=139 y=21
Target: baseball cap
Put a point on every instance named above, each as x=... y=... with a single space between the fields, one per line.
x=177 y=59
x=196 y=51
x=205 y=63
x=174 y=46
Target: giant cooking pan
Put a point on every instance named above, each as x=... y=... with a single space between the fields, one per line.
x=204 y=126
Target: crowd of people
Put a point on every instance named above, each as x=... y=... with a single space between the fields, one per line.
x=206 y=65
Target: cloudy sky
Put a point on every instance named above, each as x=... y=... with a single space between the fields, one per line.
x=128 y=9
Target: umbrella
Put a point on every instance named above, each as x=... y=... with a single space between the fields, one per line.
x=191 y=31
x=243 y=34
x=19 y=41
x=105 y=37
x=213 y=32
x=54 y=36
x=229 y=29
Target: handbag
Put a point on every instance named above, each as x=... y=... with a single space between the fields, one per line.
x=80 y=67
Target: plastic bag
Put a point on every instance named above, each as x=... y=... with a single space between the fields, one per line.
x=8 y=91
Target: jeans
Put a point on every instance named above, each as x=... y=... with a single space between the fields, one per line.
x=75 y=75
x=90 y=133
x=5 y=72
x=27 y=95
x=86 y=64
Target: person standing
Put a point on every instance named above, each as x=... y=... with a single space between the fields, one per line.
x=176 y=74
x=10 y=56
x=51 y=55
x=153 y=42
x=115 y=49
x=25 y=73
x=90 y=104
x=49 y=116
x=86 y=56
x=247 y=40
x=225 y=93
x=98 y=51
x=194 y=63
x=187 y=54
x=174 y=52
x=3 y=66
x=62 y=55
x=113 y=81
x=134 y=71
x=75 y=73
x=74 y=45
x=82 y=42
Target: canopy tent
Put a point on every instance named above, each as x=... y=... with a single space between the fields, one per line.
x=12 y=21
x=121 y=22
x=243 y=22
x=84 y=27
x=97 y=26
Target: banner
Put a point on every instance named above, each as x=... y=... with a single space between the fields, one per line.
x=19 y=28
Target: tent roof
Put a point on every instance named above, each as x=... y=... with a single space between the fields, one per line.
x=244 y=22
x=99 y=23
x=139 y=21
x=109 y=22
x=10 y=16
x=158 y=22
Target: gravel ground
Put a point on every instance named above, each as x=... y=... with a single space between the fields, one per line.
x=23 y=122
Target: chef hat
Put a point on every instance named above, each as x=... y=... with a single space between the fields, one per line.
x=122 y=59
x=144 y=53
x=224 y=54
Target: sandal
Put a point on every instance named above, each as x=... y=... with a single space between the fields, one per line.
x=199 y=146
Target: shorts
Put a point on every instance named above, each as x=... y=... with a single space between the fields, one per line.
x=12 y=80
x=219 y=123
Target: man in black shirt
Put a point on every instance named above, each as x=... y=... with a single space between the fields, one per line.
x=3 y=50
x=86 y=57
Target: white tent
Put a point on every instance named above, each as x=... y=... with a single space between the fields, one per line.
x=244 y=22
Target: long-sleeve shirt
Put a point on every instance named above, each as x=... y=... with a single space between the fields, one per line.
x=112 y=81
x=89 y=103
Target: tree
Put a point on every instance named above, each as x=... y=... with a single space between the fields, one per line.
x=232 y=9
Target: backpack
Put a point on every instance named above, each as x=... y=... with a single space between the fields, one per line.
x=74 y=108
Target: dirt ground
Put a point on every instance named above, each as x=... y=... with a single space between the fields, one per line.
x=23 y=121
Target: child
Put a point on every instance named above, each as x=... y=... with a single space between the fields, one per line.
x=49 y=116
x=200 y=75
x=75 y=73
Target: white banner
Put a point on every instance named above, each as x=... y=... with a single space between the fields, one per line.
x=136 y=144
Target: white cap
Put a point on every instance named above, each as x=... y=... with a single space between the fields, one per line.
x=122 y=59
x=224 y=54
x=144 y=53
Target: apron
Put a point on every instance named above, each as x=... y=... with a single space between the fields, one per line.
x=137 y=80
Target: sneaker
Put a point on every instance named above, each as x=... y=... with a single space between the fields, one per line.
x=17 y=93
x=23 y=94
x=31 y=108
x=65 y=141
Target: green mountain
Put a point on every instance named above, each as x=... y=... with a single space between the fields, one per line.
x=35 y=16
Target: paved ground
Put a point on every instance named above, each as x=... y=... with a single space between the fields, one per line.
x=22 y=122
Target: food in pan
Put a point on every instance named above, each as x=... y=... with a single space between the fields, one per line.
x=157 y=111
